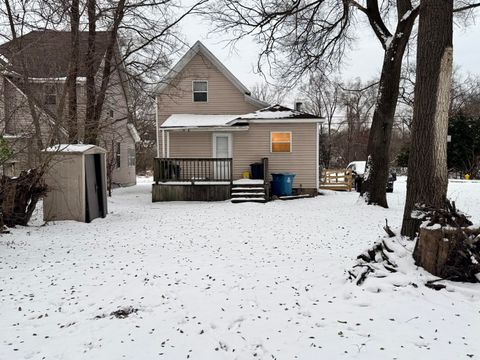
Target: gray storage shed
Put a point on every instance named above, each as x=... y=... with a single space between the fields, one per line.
x=76 y=180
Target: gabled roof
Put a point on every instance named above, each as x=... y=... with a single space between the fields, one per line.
x=197 y=48
x=47 y=53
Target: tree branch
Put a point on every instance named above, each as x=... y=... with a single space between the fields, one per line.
x=466 y=7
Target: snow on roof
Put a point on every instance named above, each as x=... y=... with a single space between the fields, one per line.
x=277 y=112
x=194 y=120
x=55 y=79
x=78 y=148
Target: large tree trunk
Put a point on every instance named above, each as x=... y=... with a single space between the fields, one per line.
x=374 y=186
x=427 y=166
x=90 y=65
x=73 y=73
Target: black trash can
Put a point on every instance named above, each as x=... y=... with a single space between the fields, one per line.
x=257 y=171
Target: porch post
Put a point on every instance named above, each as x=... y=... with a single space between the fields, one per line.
x=163 y=143
x=168 y=144
x=317 y=157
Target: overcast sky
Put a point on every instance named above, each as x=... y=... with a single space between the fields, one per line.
x=363 y=61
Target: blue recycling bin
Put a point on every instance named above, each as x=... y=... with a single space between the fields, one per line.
x=282 y=183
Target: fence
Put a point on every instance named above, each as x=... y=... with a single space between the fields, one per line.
x=336 y=179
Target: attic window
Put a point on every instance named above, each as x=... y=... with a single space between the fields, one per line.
x=200 y=90
x=50 y=93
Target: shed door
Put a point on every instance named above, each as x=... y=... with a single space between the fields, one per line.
x=94 y=186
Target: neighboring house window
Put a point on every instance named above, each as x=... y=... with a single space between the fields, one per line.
x=131 y=157
x=281 y=141
x=50 y=94
x=200 y=91
x=118 y=155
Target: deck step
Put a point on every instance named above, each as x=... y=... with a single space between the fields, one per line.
x=259 y=188
x=248 y=194
x=248 y=199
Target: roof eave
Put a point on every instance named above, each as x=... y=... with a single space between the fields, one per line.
x=261 y=104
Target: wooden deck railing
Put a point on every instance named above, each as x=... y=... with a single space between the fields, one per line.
x=192 y=170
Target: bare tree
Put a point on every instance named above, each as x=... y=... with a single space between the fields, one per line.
x=271 y=94
x=323 y=98
x=358 y=102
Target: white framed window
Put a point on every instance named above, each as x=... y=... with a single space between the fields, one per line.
x=200 y=90
x=50 y=92
x=131 y=157
x=280 y=141
x=118 y=155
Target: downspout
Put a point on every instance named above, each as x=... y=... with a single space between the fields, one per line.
x=156 y=126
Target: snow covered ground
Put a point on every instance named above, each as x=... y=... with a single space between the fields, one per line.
x=226 y=281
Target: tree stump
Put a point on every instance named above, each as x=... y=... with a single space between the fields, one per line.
x=449 y=253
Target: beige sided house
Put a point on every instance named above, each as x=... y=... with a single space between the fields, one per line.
x=210 y=129
x=46 y=55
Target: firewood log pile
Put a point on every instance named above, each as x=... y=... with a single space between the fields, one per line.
x=375 y=261
x=448 y=246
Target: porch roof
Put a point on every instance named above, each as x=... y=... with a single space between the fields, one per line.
x=197 y=121
x=271 y=114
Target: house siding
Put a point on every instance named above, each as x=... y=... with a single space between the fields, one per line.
x=116 y=130
x=223 y=96
x=14 y=109
x=248 y=146
x=194 y=144
x=252 y=145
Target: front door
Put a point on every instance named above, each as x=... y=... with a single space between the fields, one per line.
x=222 y=149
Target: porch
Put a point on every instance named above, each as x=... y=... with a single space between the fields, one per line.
x=205 y=179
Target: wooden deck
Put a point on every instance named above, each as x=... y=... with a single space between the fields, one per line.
x=205 y=179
